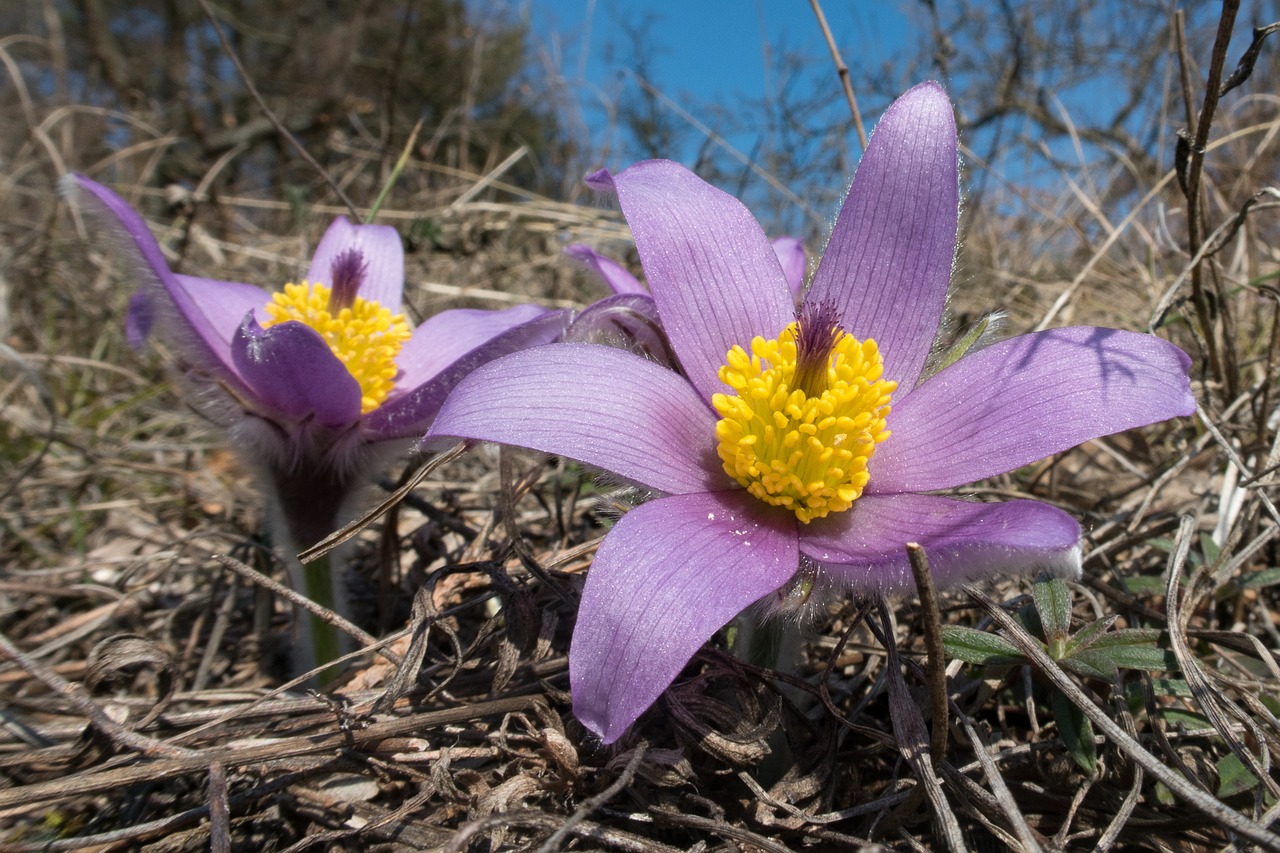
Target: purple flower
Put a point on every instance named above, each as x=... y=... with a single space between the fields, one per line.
x=790 y=252
x=313 y=380
x=803 y=445
x=629 y=319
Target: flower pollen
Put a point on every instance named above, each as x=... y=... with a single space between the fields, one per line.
x=807 y=412
x=365 y=336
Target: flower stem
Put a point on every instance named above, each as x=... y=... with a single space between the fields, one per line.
x=324 y=642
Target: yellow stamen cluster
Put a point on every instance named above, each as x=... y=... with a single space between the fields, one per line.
x=789 y=449
x=366 y=337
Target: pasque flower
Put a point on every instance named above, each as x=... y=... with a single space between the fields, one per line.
x=313 y=380
x=790 y=252
x=629 y=319
x=803 y=444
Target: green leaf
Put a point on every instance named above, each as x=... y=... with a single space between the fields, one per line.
x=1209 y=548
x=1090 y=633
x=1264 y=578
x=1166 y=687
x=979 y=647
x=1053 y=603
x=962 y=346
x=1091 y=664
x=1233 y=777
x=1136 y=648
x=1145 y=585
x=1076 y=731
x=1186 y=720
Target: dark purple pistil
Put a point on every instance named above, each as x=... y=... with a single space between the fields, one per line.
x=817 y=330
x=346 y=275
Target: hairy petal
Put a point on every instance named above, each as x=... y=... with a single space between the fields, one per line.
x=410 y=411
x=1024 y=399
x=669 y=575
x=715 y=278
x=627 y=321
x=615 y=275
x=865 y=548
x=380 y=250
x=139 y=319
x=791 y=255
x=888 y=262
x=293 y=373
x=598 y=405
x=162 y=297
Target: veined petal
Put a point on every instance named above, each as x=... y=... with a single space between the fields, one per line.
x=669 y=575
x=865 y=548
x=412 y=407
x=223 y=304
x=715 y=278
x=605 y=407
x=888 y=262
x=291 y=370
x=381 y=251
x=1024 y=399
x=451 y=334
x=615 y=275
x=790 y=252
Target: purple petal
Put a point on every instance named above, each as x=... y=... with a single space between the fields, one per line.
x=222 y=304
x=451 y=334
x=165 y=300
x=711 y=270
x=669 y=575
x=627 y=321
x=381 y=251
x=411 y=409
x=139 y=319
x=1024 y=399
x=615 y=275
x=790 y=252
x=865 y=547
x=292 y=371
x=598 y=405
x=888 y=262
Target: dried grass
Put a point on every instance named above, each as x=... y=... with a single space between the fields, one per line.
x=142 y=692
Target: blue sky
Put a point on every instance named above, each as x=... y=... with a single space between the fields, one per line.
x=706 y=50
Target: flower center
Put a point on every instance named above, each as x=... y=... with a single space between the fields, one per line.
x=365 y=336
x=807 y=412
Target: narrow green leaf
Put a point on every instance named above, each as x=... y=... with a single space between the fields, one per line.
x=962 y=346
x=979 y=647
x=395 y=173
x=1091 y=664
x=1166 y=687
x=1264 y=578
x=1145 y=585
x=1076 y=731
x=1233 y=777
x=1186 y=720
x=1209 y=548
x=1130 y=637
x=1136 y=648
x=1053 y=603
x=1089 y=633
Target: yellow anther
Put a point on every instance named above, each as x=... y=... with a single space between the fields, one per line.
x=806 y=453
x=366 y=337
